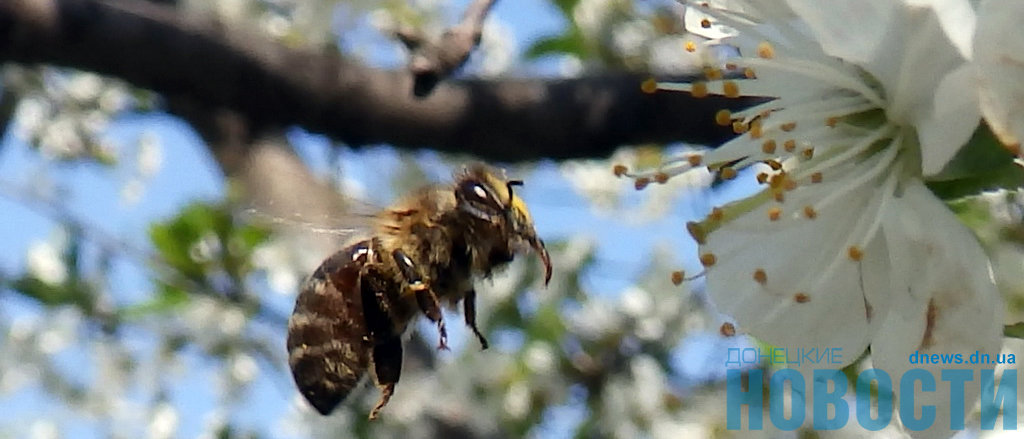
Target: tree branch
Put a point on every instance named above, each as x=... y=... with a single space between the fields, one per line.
x=208 y=64
x=431 y=60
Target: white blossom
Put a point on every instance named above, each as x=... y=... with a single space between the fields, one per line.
x=845 y=247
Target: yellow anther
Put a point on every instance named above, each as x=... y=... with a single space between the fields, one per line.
x=730 y=89
x=774 y=213
x=619 y=170
x=755 y=129
x=723 y=117
x=774 y=164
x=728 y=173
x=730 y=66
x=816 y=177
x=694 y=159
x=768 y=147
x=801 y=298
x=749 y=73
x=789 y=145
x=788 y=126
x=690 y=46
x=678 y=277
x=807 y=153
x=705 y=23
x=712 y=73
x=831 y=122
x=760 y=276
x=762 y=177
x=739 y=127
x=855 y=253
x=649 y=86
x=699 y=89
x=779 y=196
x=810 y=213
x=661 y=177
x=727 y=329
x=708 y=259
x=788 y=184
x=765 y=50
x=641 y=182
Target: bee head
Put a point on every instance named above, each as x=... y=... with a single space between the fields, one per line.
x=487 y=195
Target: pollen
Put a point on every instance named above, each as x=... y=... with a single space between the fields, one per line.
x=855 y=253
x=678 y=277
x=810 y=213
x=760 y=276
x=705 y=23
x=723 y=117
x=728 y=173
x=730 y=89
x=831 y=122
x=762 y=177
x=768 y=147
x=749 y=73
x=816 y=177
x=661 y=177
x=789 y=145
x=690 y=46
x=649 y=86
x=696 y=232
x=774 y=164
x=801 y=298
x=708 y=259
x=807 y=153
x=788 y=126
x=774 y=213
x=739 y=127
x=619 y=170
x=641 y=182
x=699 y=89
x=765 y=50
x=694 y=159
x=727 y=329
x=716 y=214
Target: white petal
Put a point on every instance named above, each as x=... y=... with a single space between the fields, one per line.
x=953 y=119
x=813 y=296
x=999 y=53
x=854 y=31
x=957 y=18
x=943 y=300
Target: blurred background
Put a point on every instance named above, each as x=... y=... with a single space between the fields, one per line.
x=143 y=292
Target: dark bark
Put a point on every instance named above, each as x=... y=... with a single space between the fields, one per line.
x=210 y=65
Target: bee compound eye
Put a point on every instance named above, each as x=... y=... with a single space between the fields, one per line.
x=475 y=192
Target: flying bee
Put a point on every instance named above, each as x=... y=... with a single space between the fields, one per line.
x=427 y=247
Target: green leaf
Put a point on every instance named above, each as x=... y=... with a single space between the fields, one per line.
x=570 y=43
x=168 y=299
x=983 y=164
x=1015 y=330
x=567 y=7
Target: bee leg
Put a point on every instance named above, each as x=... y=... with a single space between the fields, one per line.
x=425 y=297
x=428 y=303
x=469 y=311
x=387 y=346
x=387 y=362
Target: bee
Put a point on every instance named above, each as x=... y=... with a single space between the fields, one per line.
x=427 y=247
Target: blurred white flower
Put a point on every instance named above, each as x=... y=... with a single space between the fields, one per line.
x=870 y=99
x=164 y=422
x=999 y=63
x=44 y=261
